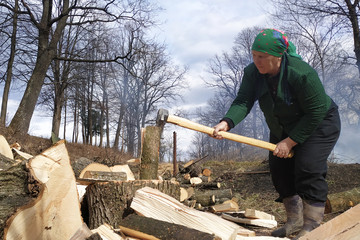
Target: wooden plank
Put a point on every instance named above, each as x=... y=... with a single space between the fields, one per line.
x=256 y=214
x=346 y=226
x=154 y=204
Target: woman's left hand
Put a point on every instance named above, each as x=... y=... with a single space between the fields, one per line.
x=284 y=147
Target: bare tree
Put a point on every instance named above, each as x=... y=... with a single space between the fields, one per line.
x=9 y=70
x=43 y=19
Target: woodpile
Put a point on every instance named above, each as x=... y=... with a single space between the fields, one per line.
x=47 y=197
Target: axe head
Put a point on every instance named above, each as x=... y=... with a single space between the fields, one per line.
x=161 y=117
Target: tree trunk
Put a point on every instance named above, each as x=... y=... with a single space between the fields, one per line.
x=9 y=67
x=46 y=52
x=150 y=153
x=110 y=202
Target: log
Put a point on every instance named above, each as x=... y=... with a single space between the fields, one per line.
x=206 y=172
x=150 y=153
x=344 y=226
x=209 y=197
x=55 y=212
x=255 y=222
x=110 y=201
x=340 y=202
x=163 y=229
x=151 y=203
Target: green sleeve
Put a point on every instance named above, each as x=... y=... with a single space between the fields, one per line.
x=244 y=100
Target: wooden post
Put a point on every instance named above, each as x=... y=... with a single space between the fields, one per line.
x=150 y=153
x=175 y=172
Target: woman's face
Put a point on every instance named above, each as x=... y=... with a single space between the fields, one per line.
x=266 y=63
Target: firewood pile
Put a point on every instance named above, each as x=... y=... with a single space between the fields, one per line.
x=47 y=197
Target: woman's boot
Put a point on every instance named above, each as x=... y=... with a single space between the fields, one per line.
x=313 y=216
x=294 y=213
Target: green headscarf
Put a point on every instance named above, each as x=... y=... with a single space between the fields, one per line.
x=274 y=42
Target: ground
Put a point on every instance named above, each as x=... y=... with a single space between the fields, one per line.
x=250 y=180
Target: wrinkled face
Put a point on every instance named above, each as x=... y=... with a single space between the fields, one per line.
x=266 y=63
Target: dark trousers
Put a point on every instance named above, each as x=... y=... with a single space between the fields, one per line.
x=304 y=174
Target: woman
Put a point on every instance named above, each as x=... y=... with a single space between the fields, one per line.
x=301 y=117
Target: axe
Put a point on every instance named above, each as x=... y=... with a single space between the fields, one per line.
x=164 y=117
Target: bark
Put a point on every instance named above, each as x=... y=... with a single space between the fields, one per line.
x=13 y=191
x=110 y=202
x=164 y=230
x=150 y=153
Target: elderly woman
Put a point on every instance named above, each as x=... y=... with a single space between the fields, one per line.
x=301 y=117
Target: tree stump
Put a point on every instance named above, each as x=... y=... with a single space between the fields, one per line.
x=150 y=153
x=109 y=202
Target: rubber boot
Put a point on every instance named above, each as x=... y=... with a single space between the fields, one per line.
x=313 y=216
x=294 y=217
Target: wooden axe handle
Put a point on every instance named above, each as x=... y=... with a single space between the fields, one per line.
x=230 y=136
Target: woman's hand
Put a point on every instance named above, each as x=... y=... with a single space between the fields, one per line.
x=284 y=147
x=222 y=126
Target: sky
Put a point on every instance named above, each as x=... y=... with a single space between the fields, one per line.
x=195 y=31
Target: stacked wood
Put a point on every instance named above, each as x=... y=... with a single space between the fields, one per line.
x=111 y=201
x=50 y=209
x=154 y=204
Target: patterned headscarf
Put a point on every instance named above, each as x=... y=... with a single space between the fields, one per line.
x=274 y=42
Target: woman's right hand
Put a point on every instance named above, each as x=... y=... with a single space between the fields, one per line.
x=220 y=127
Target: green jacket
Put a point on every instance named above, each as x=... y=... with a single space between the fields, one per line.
x=300 y=104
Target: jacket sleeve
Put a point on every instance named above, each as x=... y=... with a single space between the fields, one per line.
x=244 y=100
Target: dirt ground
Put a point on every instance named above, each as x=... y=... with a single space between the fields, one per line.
x=250 y=181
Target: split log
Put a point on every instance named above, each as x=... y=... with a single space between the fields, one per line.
x=227 y=206
x=110 y=201
x=55 y=212
x=252 y=213
x=255 y=222
x=344 y=226
x=154 y=204
x=5 y=148
x=104 y=168
x=79 y=164
x=164 y=230
x=106 y=232
x=150 y=153
x=339 y=202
